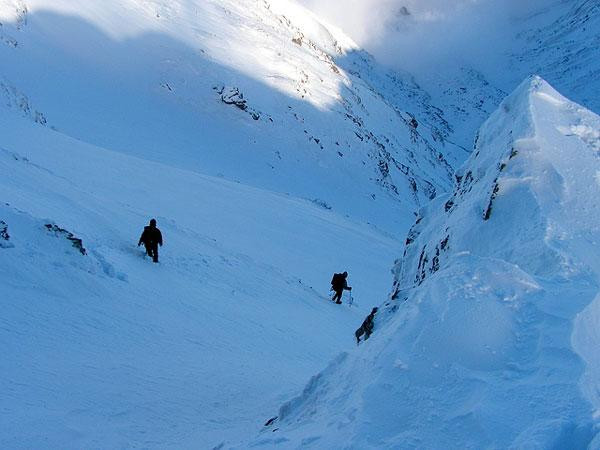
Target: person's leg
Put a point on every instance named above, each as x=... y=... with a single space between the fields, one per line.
x=148 y=249
x=358 y=334
x=155 y=252
x=338 y=296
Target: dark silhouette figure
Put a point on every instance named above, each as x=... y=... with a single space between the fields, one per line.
x=367 y=327
x=151 y=238
x=339 y=284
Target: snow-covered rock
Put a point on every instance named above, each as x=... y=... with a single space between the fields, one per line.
x=490 y=336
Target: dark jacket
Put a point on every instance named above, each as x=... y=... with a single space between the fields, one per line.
x=151 y=235
x=339 y=282
x=368 y=325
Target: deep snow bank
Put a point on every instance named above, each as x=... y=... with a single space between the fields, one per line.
x=489 y=338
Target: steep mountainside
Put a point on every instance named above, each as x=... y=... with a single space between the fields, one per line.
x=254 y=91
x=562 y=44
x=274 y=151
x=489 y=338
x=113 y=112
x=557 y=40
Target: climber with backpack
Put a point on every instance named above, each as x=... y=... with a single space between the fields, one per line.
x=151 y=238
x=339 y=284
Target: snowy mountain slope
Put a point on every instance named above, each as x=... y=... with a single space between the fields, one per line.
x=103 y=349
x=490 y=336
x=263 y=139
x=562 y=43
x=253 y=91
x=557 y=39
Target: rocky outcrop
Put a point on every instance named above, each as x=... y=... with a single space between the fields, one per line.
x=62 y=233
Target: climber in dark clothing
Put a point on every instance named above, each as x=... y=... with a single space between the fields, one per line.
x=151 y=238
x=339 y=284
x=367 y=327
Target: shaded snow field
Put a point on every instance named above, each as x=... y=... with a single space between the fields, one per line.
x=492 y=339
x=108 y=350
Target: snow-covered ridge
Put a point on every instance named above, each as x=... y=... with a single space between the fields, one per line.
x=490 y=336
x=521 y=156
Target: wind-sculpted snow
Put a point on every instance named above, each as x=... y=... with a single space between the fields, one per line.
x=489 y=339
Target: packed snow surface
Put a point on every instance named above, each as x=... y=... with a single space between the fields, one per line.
x=490 y=338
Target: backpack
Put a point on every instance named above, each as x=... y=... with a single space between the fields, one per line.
x=336 y=280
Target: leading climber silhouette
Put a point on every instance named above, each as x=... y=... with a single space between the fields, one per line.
x=151 y=238
x=339 y=284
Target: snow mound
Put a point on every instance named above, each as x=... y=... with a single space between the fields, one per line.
x=489 y=338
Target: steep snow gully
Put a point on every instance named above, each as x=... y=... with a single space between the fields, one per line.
x=273 y=151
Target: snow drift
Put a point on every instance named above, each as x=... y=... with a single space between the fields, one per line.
x=489 y=338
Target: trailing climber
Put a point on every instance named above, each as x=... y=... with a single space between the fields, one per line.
x=367 y=327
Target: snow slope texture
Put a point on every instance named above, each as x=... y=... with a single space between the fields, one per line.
x=490 y=337
x=101 y=348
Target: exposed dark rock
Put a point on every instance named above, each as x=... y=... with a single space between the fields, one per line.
x=435 y=262
x=4 y=236
x=233 y=96
x=271 y=421
x=444 y=243
x=488 y=210
x=321 y=203
x=421 y=272
x=61 y=232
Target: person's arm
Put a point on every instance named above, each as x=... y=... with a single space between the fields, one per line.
x=346 y=287
x=142 y=238
x=160 y=241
